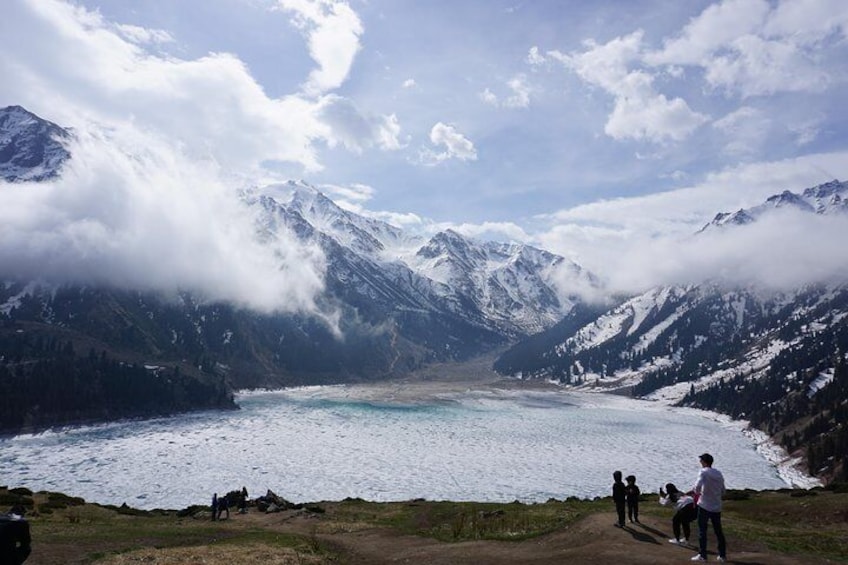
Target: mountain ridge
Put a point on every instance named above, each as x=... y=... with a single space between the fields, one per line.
x=395 y=302
x=742 y=350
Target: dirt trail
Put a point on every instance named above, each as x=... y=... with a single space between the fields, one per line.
x=591 y=540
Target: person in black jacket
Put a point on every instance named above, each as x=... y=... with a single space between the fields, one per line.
x=619 y=497
x=15 y=541
x=632 y=493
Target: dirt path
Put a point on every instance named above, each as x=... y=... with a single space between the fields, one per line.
x=591 y=540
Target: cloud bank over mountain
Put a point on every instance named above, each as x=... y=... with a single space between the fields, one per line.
x=129 y=210
x=608 y=133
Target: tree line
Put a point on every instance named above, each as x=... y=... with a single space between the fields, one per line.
x=44 y=383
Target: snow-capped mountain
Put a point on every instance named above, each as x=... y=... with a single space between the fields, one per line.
x=31 y=149
x=828 y=198
x=775 y=358
x=509 y=289
x=684 y=334
x=400 y=299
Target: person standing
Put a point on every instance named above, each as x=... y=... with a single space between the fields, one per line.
x=618 y=496
x=632 y=493
x=223 y=506
x=709 y=488
x=243 y=501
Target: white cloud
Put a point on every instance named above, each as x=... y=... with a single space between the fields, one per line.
x=67 y=64
x=333 y=30
x=746 y=47
x=409 y=83
x=806 y=131
x=519 y=96
x=640 y=112
x=456 y=145
x=494 y=231
x=141 y=35
x=131 y=211
x=747 y=129
x=713 y=30
x=356 y=192
x=489 y=97
x=356 y=130
x=535 y=57
x=781 y=252
x=756 y=66
x=636 y=243
x=146 y=201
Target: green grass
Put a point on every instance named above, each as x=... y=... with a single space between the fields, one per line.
x=799 y=523
x=461 y=521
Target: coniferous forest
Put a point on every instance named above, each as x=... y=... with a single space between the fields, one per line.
x=785 y=402
x=45 y=382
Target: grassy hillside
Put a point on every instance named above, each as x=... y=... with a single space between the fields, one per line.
x=784 y=527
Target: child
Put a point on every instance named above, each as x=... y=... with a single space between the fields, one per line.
x=618 y=496
x=632 y=493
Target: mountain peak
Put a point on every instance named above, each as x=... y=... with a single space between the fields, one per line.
x=31 y=149
x=822 y=199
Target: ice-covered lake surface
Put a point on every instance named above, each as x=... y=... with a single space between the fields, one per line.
x=329 y=443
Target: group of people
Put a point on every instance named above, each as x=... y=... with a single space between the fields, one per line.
x=625 y=495
x=222 y=505
x=701 y=503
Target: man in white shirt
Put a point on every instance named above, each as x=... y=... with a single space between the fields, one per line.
x=709 y=488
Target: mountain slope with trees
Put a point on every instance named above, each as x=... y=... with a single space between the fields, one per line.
x=773 y=357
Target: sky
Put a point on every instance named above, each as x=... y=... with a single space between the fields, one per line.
x=605 y=131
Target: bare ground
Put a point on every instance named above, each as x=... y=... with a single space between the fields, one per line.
x=593 y=539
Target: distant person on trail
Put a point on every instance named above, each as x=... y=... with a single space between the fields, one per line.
x=215 y=506
x=685 y=512
x=710 y=489
x=243 y=501
x=223 y=506
x=631 y=495
x=619 y=496
x=15 y=541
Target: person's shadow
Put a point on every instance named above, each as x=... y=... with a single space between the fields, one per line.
x=642 y=536
x=654 y=531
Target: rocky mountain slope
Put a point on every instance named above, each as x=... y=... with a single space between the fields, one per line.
x=775 y=358
x=31 y=149
x=400 y=300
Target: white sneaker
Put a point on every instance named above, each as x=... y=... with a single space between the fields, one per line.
x=675 y=541
x=698 y=557
x=722 y=559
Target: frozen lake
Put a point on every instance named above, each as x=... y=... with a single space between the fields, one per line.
x=329 y=443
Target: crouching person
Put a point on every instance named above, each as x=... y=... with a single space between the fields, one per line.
x=685 y=512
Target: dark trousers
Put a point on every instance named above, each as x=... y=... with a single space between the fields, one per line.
x=633 y=510
x=681 y=520
x=619 y=508
x=704 y=517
